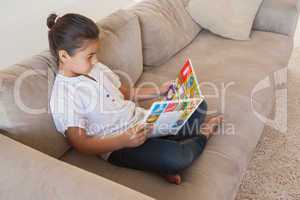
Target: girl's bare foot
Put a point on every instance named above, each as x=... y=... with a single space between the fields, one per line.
x=174 y=179
x=210 y=126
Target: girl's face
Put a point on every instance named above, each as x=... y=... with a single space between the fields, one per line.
x=83 y=59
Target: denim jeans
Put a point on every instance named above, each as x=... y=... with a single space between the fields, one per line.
x=166 y=155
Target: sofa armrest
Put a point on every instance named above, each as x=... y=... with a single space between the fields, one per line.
x=29 y=174
x=278 y=16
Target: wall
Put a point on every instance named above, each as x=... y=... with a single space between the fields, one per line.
x=23 y=23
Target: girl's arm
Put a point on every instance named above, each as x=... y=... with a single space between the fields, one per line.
x=139 y=93
x=133 y=137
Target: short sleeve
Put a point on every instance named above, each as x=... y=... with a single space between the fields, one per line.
x=66 y=112
x=101 y=68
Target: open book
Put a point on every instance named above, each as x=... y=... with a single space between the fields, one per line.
x=169 y=114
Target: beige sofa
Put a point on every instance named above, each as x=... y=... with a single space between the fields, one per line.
x=149 y=44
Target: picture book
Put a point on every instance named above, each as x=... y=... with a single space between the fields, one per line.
x=169 y=114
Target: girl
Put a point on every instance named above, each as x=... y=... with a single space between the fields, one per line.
x=97 y=116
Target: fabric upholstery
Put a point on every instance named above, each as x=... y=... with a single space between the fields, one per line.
x=216 y=174
x=185 y=2
x=25 y=114
x=121 y=45
x=159 y=20
x=278 y=16
x=217 y=60
x=34 y=175
x=228 y=18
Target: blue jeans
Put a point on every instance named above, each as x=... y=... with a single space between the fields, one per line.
x=166 y=155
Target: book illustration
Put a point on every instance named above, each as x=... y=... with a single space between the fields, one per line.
x=173 y=109
x=185 y=86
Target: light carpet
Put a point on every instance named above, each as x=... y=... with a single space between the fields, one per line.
x=274 y=171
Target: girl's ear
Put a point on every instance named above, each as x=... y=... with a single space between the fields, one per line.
x=63 y=56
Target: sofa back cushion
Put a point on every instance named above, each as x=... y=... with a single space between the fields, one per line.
x=228 y=18
x=166 y=29
x=278 y=16
x=185 y=2
x=24 y=110
x=121 y=44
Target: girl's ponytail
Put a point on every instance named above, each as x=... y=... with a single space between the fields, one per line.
x=51 y=20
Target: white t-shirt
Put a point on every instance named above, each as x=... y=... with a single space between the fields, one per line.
x=97 y=106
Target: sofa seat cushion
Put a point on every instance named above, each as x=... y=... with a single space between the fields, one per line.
x=24 y=96
x=241 y=65
x=215 y=175
x=166 y=29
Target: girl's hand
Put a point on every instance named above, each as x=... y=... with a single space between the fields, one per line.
x=163 y=89
x=135 y=136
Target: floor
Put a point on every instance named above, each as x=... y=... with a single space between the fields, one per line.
x=274 y=171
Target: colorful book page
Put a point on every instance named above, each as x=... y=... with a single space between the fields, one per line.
x=185 y=86
x=183 y=97
x=168 y=117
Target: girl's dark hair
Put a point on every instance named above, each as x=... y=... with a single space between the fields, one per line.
x=69 y=32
